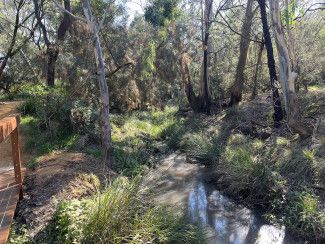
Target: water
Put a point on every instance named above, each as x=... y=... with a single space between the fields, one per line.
x=228 y=222
x=181 y=185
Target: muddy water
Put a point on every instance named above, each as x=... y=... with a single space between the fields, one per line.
x=181 y=185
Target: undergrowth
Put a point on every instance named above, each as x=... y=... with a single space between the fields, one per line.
x=120 y=215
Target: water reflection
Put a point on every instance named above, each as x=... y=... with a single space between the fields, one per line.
x=230 y=222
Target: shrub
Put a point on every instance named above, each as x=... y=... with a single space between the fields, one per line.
x=47 y=104
x=69 y=219
x=83 y=117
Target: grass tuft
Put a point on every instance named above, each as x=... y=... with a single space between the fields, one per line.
x=120 y=215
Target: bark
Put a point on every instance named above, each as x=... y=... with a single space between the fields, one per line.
x=13 y=39
x=237 y=88
x=187 y=83
x=102 y=84
x=287 y=76
x=278 y=111
x=205 y=100
x=257 y=69
x=53 y=49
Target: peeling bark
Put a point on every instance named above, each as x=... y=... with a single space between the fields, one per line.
x=287 y=76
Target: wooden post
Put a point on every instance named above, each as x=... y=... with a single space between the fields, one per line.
x=16 y=159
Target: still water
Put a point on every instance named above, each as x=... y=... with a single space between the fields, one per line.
x=228 y=222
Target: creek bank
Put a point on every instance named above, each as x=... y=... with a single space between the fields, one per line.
x=187 y=187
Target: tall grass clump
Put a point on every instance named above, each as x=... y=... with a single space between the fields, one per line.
x=304 y=216
x=201 y=148
x=121 y=215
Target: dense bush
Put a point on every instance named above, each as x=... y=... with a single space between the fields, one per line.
x=48 y=104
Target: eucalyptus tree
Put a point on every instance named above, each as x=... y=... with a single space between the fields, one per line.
x=52 y=47
x=16 y=25
x=237 y=88
x=287 y=75
x=278 y=111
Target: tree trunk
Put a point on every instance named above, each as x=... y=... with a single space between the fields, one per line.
x=102 y=84
x=287 y=77
x=257 y=69
x=204 y=95
x=52 y=56
x=187 y=83
x=237 y=88
x=278 y=111
x=13 y=39
x=54 y=49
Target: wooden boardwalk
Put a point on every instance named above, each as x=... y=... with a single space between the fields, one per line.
x=10 y=178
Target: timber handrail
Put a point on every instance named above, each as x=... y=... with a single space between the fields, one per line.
x=9 y=127
x=11 y=190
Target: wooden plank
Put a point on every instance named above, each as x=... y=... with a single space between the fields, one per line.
x=7 y=178
x=16 y=156
x=8 y=125
x=9 y=198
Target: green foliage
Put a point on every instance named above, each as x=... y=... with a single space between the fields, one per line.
x=120 y=215
x=47 y=104
x=160 y=12
x=292 y=12
x=41 y=141
x=83 y=116
x=148 y=60
x=137 y=139
x=201 y=148
x=303 y=214
x=18 y=234
x=69 y=219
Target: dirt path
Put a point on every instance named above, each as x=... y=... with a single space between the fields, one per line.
x=6 y=109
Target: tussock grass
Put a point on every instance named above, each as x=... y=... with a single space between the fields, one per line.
x=304 y=215
x=201 y=148
x=120 y=215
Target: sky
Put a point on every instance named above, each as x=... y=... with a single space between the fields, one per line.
x=135 y=6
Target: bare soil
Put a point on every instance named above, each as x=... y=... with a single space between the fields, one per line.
x=57 y=178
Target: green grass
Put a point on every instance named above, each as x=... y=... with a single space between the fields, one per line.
x=120 y=215
x=41 y=141
x=276 y=175
x=139 y=138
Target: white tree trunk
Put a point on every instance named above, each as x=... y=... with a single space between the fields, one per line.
x=287 y=76
x=102 y=84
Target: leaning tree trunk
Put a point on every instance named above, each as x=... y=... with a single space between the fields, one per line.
x=257 y=69
x=102 y=84
x=278 y=111
x=237 y=88
x=287 y=77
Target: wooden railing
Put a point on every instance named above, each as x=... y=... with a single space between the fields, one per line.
x=10 y=180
